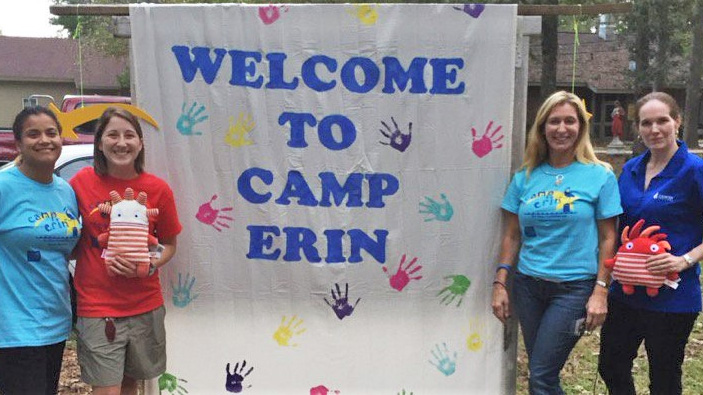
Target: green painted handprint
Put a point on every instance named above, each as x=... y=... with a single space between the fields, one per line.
x=460 y=284
x=170 y=383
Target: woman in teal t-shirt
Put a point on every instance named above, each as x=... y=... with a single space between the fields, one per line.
x=38 y=229
x=559 y=223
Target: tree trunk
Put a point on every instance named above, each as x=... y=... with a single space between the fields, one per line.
x=550 y=48
x=695 y=73
x=640 y=18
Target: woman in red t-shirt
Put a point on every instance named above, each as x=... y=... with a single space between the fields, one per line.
x=121 y=336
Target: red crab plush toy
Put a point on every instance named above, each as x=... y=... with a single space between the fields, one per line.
x=629 y=262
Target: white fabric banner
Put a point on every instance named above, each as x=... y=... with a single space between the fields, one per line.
x=338 y=170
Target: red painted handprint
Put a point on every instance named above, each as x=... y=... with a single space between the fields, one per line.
x=270 y=14
x=209 y=216
x=401 y=278
x=486 y=143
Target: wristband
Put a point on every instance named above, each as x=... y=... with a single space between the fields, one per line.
x=507 y=267
x=602 y=284
x=502 y=284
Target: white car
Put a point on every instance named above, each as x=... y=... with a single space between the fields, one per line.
x=72 y=159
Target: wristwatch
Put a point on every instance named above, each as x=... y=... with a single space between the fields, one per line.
x=690 y=261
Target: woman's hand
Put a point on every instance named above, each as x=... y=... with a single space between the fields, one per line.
x=122 y=267
x=596 y=308
x=501 y=303
x=663 y=264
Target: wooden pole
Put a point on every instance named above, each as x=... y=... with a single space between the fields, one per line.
x=522 y=9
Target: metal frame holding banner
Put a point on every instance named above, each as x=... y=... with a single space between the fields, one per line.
x=338 y=170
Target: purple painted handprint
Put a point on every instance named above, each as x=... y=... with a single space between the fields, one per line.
x=397 y=139
x=486 y=143
x=474 y=10
x=270 y=14
x=234 y=379
x=401 y=278
x=341 y=305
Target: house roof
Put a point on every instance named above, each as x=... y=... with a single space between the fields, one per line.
x=602 y=65
x=56 y=60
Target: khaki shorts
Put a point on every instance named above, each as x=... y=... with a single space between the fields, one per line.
x=138 y=350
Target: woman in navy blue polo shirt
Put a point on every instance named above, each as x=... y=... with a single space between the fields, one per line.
x=663 y=186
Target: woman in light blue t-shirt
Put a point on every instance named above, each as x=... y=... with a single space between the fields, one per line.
x=559 y=223
x=38 y=229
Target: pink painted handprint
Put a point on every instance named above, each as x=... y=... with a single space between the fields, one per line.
x=270 y=14
x=486 y=143
x=210 y=216
x=402 y=276
x=322 y=390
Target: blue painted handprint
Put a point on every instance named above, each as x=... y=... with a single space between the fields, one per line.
x=436 y=211
x=473 y=10
x=397 y=139
x=442 y=360
x=235 y=379
x=187 y=121
x=341 y=305
x=182 y=295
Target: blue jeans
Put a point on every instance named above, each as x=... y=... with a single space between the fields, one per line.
x=549 y=313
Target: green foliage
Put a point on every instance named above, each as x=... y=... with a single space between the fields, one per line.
x=93 y=31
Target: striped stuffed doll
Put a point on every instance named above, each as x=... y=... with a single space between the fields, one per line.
x=629 y=262
x=128 y=235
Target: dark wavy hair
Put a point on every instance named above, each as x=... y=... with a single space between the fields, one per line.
x=28 y=112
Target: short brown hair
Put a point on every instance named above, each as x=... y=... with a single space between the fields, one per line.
x=674 y=109
x=28 y=112
x=99 y=159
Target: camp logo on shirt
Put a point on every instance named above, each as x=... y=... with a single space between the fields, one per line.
x=53 y=220
x=563 y=202
x=661 y=196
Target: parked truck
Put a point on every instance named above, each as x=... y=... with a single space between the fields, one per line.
x=83 y=132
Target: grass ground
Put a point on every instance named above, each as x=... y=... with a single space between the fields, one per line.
x=580 y=374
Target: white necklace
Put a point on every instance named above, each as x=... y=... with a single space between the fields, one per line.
x=558 y=176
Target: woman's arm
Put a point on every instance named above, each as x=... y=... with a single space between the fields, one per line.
x=169 y=250
x=509 y=248
x=663 y=264
x=597 y=306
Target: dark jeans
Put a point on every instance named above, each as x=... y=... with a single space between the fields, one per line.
x=665 y=336
x=549 y=313
x=30 y=370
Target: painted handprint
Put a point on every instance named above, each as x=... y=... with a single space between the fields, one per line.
x=235 y=379
x=341 y=305
x=402 y=276
x=405 y=393
x=182 y=295
x=213 y=217
x=457 y=289
x=435 y=210
x=188 y=120
x=270 y=14
x=474 y=342
x=367 y=13
x=487 y=143
x=473 y=10
x=286 y=331
x=322 y=390
x=444 y=361
x=237 y=133
x=171 y=384
x=397 y=139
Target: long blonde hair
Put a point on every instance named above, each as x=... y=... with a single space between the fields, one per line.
x=537 y=150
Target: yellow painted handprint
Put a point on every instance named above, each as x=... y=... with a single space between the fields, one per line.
x=237 y=133
x=367 y=13
x=285 y=332
x=474 y=342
